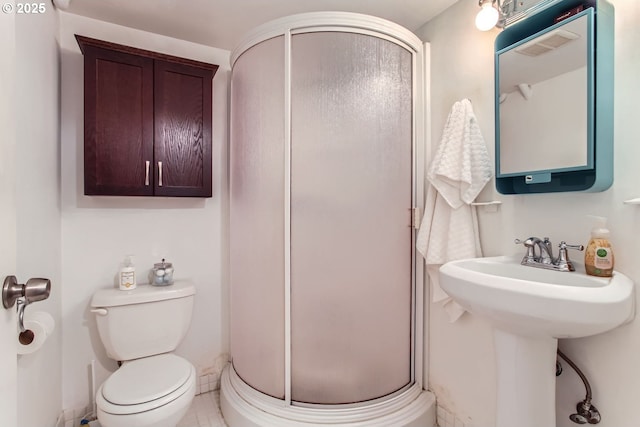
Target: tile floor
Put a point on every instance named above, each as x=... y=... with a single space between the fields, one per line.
x=204 y=411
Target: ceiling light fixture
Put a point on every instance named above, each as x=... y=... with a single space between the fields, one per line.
x=488 y=16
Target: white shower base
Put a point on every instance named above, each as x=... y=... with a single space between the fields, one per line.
x=243 y=406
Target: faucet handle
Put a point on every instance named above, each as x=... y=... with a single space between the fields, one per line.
x=563 y=258
x=527 y=243
x=530 y=245
x=563 y=246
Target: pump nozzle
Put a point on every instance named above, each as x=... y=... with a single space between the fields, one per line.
x=599 y=227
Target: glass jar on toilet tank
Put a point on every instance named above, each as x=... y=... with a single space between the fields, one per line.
x=162 y=274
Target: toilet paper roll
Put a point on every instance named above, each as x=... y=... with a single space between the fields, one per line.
x=41 y=325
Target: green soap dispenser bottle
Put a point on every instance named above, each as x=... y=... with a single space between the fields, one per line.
x=598 y=257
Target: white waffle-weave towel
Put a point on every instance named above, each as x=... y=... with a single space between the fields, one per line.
x=458 y=172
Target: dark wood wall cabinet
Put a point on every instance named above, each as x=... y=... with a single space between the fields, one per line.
x=147 y=122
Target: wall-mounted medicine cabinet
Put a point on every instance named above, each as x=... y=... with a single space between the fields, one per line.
x=554 y=100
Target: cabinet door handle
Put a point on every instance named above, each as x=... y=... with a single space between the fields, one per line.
x=159 y=174
x=146 y=174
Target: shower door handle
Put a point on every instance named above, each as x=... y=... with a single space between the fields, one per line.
x=416 y=218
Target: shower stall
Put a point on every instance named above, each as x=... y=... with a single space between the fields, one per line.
x=327 y=130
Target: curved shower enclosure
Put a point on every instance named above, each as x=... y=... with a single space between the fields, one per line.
x=326 y=145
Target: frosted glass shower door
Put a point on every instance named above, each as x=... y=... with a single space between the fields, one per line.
x=351 y=195
x=256 y=220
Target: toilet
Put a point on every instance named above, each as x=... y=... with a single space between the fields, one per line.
x=141 y=328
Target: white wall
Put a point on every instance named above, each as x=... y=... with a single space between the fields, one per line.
x=462 y=371
x=99 y=231
x=38 y=205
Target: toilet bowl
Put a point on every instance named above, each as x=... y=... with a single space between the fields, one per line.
x=154 y=391
x=153 y=387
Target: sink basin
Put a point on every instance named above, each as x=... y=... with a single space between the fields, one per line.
x=530 y=308
x=535 y=301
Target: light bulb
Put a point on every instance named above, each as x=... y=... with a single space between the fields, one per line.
x=488 y=16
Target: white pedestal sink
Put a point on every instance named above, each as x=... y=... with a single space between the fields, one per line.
x=530 y=308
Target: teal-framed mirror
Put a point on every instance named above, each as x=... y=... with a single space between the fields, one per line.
x=554 y=100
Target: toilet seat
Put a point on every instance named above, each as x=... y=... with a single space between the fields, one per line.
x=145 y=384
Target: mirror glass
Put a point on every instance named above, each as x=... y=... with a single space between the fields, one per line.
x=544 y=98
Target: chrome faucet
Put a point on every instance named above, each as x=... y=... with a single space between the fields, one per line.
x=540 y=254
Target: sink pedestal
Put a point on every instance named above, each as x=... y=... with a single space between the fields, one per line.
x=526 y=384
x=529 y=309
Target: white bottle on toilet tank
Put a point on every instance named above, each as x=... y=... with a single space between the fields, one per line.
x=127 y=275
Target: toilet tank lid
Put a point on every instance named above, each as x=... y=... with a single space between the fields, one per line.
x=112 y=297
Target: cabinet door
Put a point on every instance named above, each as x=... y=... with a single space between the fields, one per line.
x=182 y=110
x=118 y=123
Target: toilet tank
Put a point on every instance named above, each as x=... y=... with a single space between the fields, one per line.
x=144 y=321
